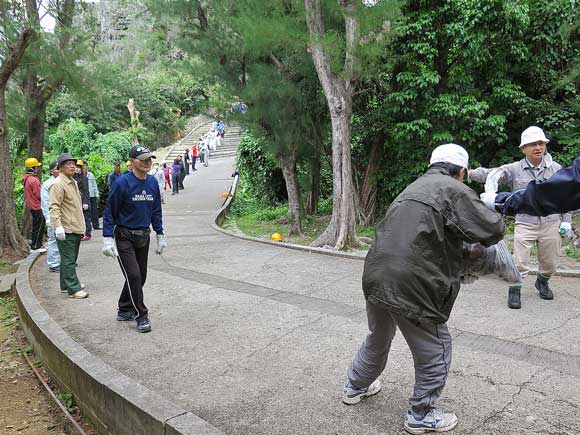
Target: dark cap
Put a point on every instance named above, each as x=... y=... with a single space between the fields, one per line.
x=65 y=158
x=52 y=166
x=116 y=164
x=140 y=152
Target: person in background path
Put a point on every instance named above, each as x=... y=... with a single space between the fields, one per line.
x=133 y=206
x=167 y=175
x=157 y=173
x=529 y=230
x=411 y=279
x=129 y=165
x=53 y=256
x=186 y=161
x=83 y=183
x=114 y=175
x=93 y=197
x=200 y=149
x=175 y=174
x=31 y=183
x=221 y=127
x=181 y=172
x=193 y=157
x=66 y=217
x=205 y=152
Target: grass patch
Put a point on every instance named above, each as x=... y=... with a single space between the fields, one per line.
x=261 y=220
x=6 y=268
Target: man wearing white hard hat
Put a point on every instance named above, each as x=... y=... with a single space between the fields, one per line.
x=411 y=279
x=537 y=165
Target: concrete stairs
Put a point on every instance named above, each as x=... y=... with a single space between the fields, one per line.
x=199 y=126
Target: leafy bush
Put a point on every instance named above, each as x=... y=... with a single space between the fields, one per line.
x=72 y=136
x=260 y=175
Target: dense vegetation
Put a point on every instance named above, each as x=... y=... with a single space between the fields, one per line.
x=345 y=101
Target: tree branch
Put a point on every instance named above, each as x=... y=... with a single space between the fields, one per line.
x=15 y=53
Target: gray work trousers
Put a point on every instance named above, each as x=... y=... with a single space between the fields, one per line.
x=430 y=345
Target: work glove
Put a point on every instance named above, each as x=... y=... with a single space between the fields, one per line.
x=59 y=233
x=565 y=228
x=85 y=206
x=161 y=244
x=488 y=199
x=109 y=248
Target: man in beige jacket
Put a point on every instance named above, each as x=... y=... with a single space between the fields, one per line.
x=67 y=219
x=529 y=230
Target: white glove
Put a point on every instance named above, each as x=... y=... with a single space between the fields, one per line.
x=47 y=222
x=109 y=248
x=59 y=233
x=566 y=230
x=488 y=199
x=85 y=206
x=161 y=244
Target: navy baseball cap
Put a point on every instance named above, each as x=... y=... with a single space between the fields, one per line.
x=141 y=152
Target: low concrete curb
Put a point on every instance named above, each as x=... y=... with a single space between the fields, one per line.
x=221 y=216
x=114 y=403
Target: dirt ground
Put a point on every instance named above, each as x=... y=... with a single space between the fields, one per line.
x=25 y=406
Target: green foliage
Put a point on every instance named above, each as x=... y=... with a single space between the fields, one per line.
x=72 y=136
x=259 y=174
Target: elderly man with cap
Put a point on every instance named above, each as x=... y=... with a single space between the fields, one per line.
x=53 y=257
x=67 y=219
x=411 y=279
x=537 y=165
x=133 y=206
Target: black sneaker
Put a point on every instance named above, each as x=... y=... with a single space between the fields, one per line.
x=55 y=269
x=543 y=288
x=123 y=316
x=143 y=325
x=514 y=298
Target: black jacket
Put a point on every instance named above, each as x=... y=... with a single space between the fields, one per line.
x=559 y=194
x=83 y=183
x=414 y=265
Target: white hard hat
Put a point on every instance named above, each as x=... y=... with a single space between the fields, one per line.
x=533 y=134
x=450 y=153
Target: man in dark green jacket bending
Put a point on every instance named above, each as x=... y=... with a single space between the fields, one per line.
x=411 y=279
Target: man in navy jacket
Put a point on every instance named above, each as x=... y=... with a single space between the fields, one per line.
x=134 y=204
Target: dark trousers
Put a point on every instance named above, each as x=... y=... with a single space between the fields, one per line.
x=193 y=159
x=181 y=178
x=94 y=212
x=88 y=227
x=175 y=180
x=69 y=253
x=37 y=229
x=133 y=254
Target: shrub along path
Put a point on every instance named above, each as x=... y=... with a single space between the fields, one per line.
x=256 y=339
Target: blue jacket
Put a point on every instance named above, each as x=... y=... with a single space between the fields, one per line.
x=558 y=194
x=133 y=203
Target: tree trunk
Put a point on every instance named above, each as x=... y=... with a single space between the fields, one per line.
x=338 y=91
x=314 y=194
x=36 y=118
x=294 y=216
x=12 y=244
x=368 y=191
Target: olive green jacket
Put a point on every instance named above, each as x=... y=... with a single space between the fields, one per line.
x=414 y=265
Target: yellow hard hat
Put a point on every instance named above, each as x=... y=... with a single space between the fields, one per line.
x=31 y=162
x=80 y=163
x=277 y=237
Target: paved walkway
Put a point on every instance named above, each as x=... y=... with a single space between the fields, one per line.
x=256 y=339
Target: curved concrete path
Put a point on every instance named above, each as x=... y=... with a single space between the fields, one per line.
x=255 y=339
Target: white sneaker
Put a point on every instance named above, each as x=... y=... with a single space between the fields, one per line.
x=81 y=294
x=352 y=395
x=434 y=421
